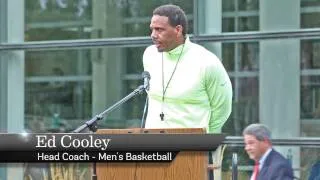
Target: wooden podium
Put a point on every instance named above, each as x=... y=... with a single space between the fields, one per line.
x=188 y=165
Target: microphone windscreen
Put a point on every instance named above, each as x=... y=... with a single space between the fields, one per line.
x=145 y=74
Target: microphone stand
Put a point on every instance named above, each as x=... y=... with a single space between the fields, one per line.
x=143 y=120
x=92 y=123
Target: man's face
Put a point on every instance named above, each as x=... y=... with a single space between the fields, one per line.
x=254 y=147
x=163 y=35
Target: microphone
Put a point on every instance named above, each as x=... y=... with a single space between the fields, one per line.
x=146 y=78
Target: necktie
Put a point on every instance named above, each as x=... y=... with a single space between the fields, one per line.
x=255 y=171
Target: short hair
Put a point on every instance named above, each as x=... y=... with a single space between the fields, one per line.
x=175 y=15
x=260 y=131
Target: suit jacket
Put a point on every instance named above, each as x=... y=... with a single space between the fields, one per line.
x=315 y=172
x=276 y=167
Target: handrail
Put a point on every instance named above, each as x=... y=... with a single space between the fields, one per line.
x=234 y=166
x=295 y=141
x=313 y=33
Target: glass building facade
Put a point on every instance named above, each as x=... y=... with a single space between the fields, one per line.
x=64 y=61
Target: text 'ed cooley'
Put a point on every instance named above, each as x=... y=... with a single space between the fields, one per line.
x=68 y=141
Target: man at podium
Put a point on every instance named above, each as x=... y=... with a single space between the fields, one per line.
x=189 y=86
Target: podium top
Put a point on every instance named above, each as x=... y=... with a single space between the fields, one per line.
x=153 y=131
x=181 y=139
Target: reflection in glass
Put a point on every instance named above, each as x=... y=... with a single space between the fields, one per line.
x=57 y=89
x=57 y=19
x=310 y=97
x=58 y=63
x=82 y=19
x=310 y=54
x=245 y=108
x=310 y=20
x=249 y=56
x=134 y=107
x=57 y=106
x=228 y=25
x=47 y=11
x=241 y=60
x=228 y=5
x=310 y=3
x=248 y=5
x=237 y=19
x=228 y=56
x=248 y=23
x=244 y=24
x=134 y=61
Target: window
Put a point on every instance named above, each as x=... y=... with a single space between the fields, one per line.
x=242 y=62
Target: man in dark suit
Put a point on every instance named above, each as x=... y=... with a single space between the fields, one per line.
x=315 y=171
x=269 y=164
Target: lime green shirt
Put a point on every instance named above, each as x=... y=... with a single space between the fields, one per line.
x=199 y=94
